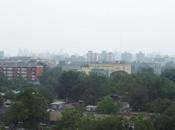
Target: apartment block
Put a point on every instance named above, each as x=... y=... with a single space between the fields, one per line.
x=106 y=69
x=30 y=71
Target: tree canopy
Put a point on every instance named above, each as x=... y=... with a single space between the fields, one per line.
x=30 y=108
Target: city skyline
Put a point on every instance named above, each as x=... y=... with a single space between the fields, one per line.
x=28 y=53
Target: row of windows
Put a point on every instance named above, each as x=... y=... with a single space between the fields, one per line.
x=19 y=71
x=23 y=69
x=10 y=77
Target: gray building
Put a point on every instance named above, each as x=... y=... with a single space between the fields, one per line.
x=140 y=57
x=137 y=67
x=126 y=57
x=92 y=57
x=1 y=54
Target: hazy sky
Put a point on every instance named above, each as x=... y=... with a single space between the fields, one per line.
x=80 y=25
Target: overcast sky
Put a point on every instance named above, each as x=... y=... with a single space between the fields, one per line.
x=77 y=26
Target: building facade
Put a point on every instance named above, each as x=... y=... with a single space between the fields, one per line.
x=126 y=57
x=26 y=70
x=156 y=68
x=106 y=69
x=1 y=54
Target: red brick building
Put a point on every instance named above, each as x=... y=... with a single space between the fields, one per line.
x=30 y=71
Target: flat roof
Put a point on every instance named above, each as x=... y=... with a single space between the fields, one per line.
x=57 y=103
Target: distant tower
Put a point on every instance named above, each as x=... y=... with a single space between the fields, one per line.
x=140 y=57
x=1 y=54
x=126 y=57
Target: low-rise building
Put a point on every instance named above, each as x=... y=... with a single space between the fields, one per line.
x=90 y=108
x=57 y=106
x=106 y=69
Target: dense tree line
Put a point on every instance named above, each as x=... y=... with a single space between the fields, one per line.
x=74 y=119
x=140 y=90
x=28 y=110
x=144 y=91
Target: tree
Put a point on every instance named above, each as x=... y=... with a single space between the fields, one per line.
x=170 y=111
x=51 y=76
x=107 y=106
x=70 y=119
x=110 y=123
x=67 y=81
x=142 y=124
x=159 y=105
x=169 y=73
x=169 y=65
x=95 y=87
x=88 y=122
x=1 y=100
x=115 y=77
x=166 y=120
x=30 y=109
x=138 y=99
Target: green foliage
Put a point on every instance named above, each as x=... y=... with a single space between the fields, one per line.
x=74 y=119
x=88 y=122
x=29 y=108
x=50 y=77
x=110 y=123
x=95 y=87
x=70 y=119
x=169 y=73
x=9 y=85
x=66 y=83
x=138 y=98
x=164 y=122
x=2 y=128
x=1 y=101
x=144 y=91
x=170 y=111
x=140 y=89
x=159 y=105
x=75 y=86
x=108 y=106
x=142 y=124
x=115 y=77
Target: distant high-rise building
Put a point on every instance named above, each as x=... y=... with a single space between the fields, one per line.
x=126 y=57
x=107 y=57
x=103 y=57
x=1 y=54
x=92 y=57
x=24 y=53
x=77 y=58
x=140 y=57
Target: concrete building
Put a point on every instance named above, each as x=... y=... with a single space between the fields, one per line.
x=1 y=54
x=58 y=105
x=92 y=57
x=140 y=57
x=16 y=69
x=107 y=57
x=137 y=67
x=106 y=69
x=90 y=108
x=126 y=57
